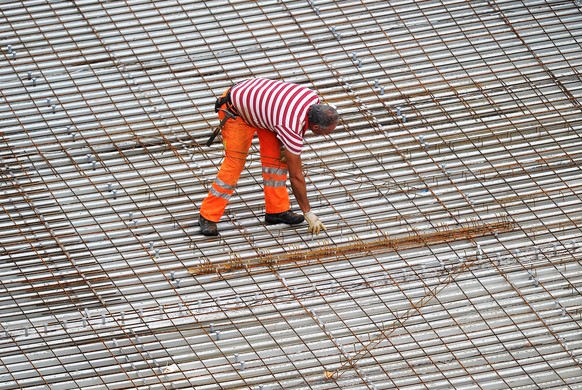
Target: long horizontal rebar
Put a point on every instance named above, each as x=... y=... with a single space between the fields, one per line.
x=334 y=253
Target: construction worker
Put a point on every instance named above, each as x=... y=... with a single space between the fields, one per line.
x=279 y=113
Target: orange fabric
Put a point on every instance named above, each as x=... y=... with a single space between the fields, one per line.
x=237 y=137
x=274 y=179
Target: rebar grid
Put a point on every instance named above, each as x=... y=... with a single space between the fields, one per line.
x=453 y=113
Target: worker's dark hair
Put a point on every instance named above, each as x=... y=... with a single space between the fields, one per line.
x=322 y=115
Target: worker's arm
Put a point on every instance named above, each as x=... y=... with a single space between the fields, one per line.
x=297 y=180
x=300 y=192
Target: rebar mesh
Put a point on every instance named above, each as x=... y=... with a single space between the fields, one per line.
x=451 y=192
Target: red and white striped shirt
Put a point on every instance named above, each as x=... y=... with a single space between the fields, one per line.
x=276 y=106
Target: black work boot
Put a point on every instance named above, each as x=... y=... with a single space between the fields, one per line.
x=288 y=217
x=208 y=228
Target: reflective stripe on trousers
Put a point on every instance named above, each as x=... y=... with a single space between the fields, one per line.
x=221 y=189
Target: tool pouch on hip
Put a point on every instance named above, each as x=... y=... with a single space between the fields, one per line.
x=220 y=101
x=224 y=99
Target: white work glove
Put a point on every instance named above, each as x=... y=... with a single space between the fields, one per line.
x=315 y=225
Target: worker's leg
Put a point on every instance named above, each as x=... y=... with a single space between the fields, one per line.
x=274 y=173
x=237 y=137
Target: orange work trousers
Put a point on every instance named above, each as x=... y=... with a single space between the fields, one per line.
x=237 y=137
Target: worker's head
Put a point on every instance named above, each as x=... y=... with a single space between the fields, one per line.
x=322 y=119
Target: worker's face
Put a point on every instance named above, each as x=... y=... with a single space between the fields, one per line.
x=319 y=130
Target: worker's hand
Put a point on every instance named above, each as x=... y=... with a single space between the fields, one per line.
x=315 y=225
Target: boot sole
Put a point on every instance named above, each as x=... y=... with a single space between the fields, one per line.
x=205 y=232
